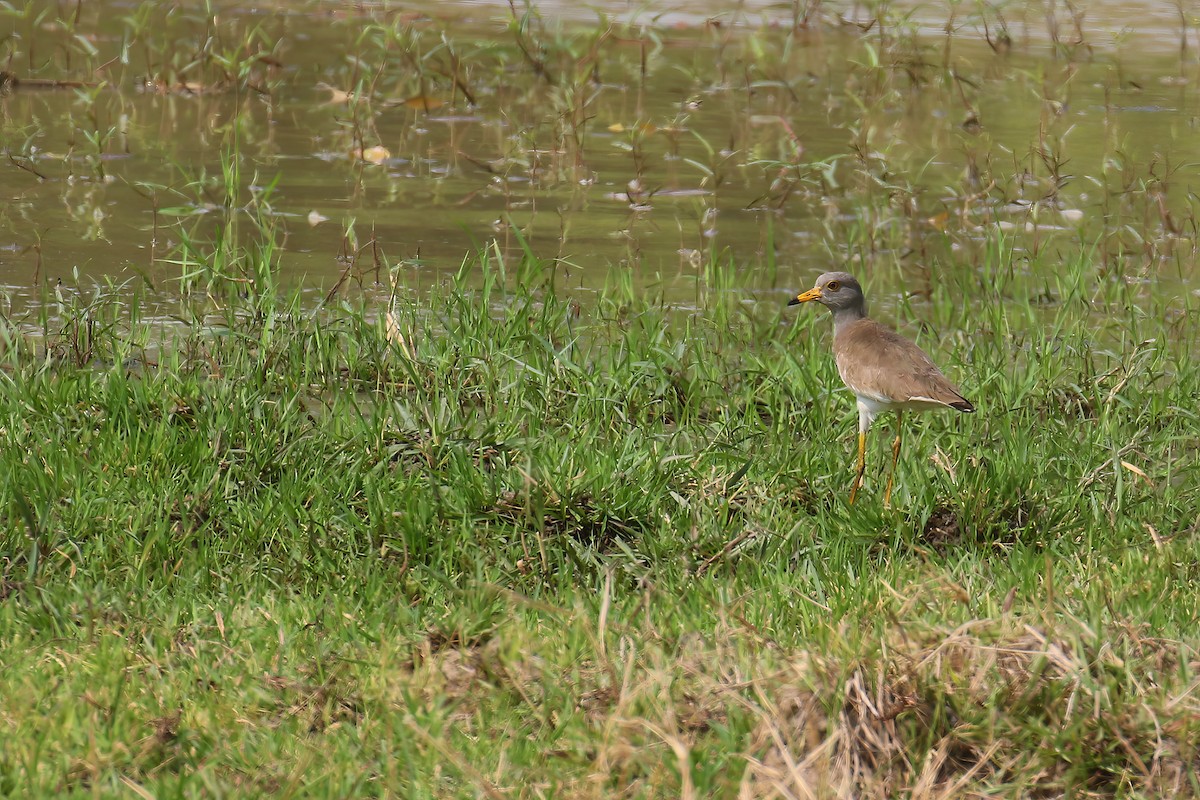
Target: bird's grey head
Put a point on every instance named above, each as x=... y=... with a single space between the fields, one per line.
x=837 y=291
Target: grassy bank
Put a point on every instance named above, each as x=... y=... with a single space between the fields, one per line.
x=511 y=543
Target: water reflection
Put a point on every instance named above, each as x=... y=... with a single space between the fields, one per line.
x=769 y=150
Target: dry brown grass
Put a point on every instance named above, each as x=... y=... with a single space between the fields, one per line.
x=996 y=707
x=988 y=700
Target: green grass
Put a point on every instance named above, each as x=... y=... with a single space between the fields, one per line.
x=550 y=546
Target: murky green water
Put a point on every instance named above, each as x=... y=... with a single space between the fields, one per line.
x=631 y=151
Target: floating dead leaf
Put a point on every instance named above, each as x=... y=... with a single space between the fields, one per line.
x=336 y=95
x=616 y=127
x=374 y=155
x=423 y=102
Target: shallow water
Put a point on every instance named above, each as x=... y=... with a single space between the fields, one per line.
x=744 y=141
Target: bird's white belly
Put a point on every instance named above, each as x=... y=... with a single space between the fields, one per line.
x=870 y=407
x=877 y=405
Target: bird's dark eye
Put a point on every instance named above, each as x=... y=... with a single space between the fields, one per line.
x=833 y=286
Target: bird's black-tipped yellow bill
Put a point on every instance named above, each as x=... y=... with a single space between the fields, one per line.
x=804 y=297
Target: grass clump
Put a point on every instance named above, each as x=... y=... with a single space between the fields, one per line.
x=501 y=541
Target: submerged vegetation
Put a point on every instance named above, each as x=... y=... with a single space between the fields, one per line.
x=491 y=533
x=783 y=138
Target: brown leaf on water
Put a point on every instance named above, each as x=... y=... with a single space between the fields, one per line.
x=938 y=221
x=373 y=155
x=336 y=96
x=191 y=87
x=423 y=102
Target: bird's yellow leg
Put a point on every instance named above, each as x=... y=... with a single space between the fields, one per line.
x=862 y=465
x=887 y=495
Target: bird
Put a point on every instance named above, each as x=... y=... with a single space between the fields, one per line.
x=884 y=370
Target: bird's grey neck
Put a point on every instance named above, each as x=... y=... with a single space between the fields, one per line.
x=843 y=317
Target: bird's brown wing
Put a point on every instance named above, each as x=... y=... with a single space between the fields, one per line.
x=877 y=362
